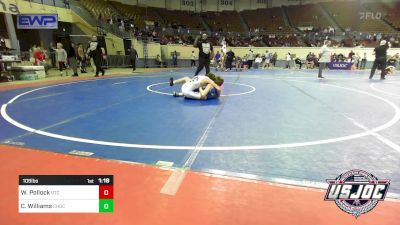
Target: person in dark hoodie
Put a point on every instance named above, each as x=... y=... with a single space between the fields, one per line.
x=230 y=56
x=72 y=62
x=133 y=55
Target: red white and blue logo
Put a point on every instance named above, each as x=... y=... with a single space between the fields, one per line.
x=356 y=191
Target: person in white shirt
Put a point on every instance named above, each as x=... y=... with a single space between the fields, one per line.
x=288 y=60
x=268 y=57
x=325 y=57
x=61 y=57
x=250 y=58
x=224 y=46
x=257 y=62
x=363 y=61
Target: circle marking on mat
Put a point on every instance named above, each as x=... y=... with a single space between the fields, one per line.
x=372 y=86
x=388 y=124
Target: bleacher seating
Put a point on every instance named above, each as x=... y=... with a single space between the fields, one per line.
x=138 y=14
x=347 y=15
x=268 y=20
x=180 y=19
x=307 y=16
x=223 y=21
x=101 y=10
x=267 y=26
x=281 y=40
x=388 y=11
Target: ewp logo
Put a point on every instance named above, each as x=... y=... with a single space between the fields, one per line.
x=37 y=22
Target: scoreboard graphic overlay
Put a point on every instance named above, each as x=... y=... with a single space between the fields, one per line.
x=66 y=194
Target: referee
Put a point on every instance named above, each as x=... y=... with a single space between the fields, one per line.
x=205 y=53
x=380 y=59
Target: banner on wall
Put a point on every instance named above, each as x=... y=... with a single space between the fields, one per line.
x=340 y=65
x=37 y=21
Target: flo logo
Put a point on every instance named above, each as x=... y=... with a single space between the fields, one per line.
x=356 y=191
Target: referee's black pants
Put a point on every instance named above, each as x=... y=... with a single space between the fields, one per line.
x=203 y=62
x=381 y=64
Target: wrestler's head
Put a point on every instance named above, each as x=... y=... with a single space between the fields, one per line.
x=211 y=76
x=219 y=80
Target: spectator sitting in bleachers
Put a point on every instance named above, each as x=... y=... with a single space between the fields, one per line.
x=160 y=62
x=298 y=62
x=40 y=58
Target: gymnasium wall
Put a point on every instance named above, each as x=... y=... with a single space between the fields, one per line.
x=153 y=49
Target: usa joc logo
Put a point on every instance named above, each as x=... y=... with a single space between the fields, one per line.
x=356 y=191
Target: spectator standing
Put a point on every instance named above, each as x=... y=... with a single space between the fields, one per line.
x=288 y=60
x=67 y=5
x=268 y=59
x=350 y=57
x=175 y=59
x=3 y=46
x=356 y=60
x=325 y=57
x=72 y=62
x=53 y=55
x=274 y=59
x=363 y=61
x=250 y=58
x=133 y=56
x=61 y=58
x=238 y=63
x=217 y=59
x=192 y=60
x=230 y=56
x=82 y=58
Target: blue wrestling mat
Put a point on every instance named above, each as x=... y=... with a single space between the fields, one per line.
x=278 y=125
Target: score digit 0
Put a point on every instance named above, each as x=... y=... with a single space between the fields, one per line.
x=106 y=192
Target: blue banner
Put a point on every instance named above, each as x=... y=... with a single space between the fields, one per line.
x=36 y=21
x=340 y=65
